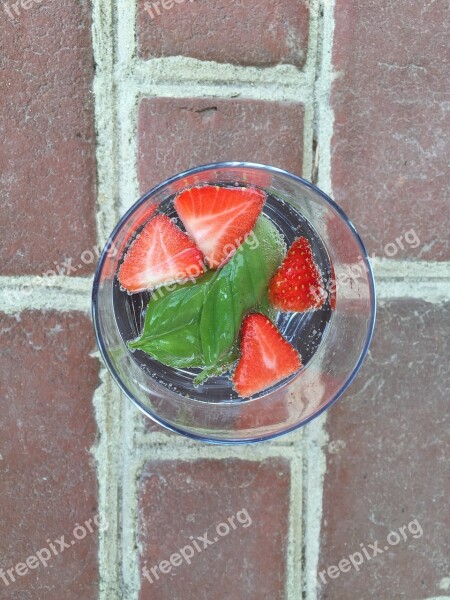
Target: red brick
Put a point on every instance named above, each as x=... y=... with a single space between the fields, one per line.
x=177 y=134
x=390 y=146
x=47 y=477
x=47 y=166
x=387 y=462
x=239 y=32
x=182 y=499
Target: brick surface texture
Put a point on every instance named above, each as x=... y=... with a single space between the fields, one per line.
x=239 y=32
x=195 y=497
x=47 y=165
x=390 y=143
x=353 y=94
x=47 y=477
x=177 y=134
x=388 y=461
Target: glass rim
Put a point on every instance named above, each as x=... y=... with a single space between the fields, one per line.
x=196 y=170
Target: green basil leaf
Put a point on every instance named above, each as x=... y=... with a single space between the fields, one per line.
x=170 y=310
x=173 y=349
x=171 y=333
x=239 y=286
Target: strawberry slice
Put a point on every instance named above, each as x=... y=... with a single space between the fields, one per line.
x=266 y=357
x=219 y=218
x=162 y=253
x=297 y=285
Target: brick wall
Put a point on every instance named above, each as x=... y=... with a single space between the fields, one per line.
x=99 y=102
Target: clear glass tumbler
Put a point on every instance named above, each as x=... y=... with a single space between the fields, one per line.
x=332 y=343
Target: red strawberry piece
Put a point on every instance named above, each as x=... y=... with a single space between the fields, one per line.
x=162 y=253
x=297 y=285
x=110 y=266
x=266 y=357
x=219 y=218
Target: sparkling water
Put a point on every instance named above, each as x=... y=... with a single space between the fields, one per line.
x=305 y=331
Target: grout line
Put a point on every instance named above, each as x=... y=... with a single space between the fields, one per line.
x=432 y=291
x=310 y=76
x=105 y=118
x=59 y=293
x=180 y=76
x=251 y=90
x=127 y=102
x=308 y=138
x=170 y=449
x=295 y=532
x=315 y=436
x=126 y=42
x=128 y=147
x=107 y=399
x=324 y=113
x=132 y=465
x=314 y=470
x=107 y=406
x=413 y=270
